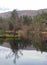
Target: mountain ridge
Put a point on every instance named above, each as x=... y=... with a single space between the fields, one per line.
x=23 y=13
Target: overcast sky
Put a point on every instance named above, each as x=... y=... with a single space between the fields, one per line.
x=6 y=5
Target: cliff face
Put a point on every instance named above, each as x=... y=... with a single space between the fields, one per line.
x=23 y=12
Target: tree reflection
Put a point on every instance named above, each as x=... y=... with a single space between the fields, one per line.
x=22 y=43
x=1 y=41
x=17 y=44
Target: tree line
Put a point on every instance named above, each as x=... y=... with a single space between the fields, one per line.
x=31 y=26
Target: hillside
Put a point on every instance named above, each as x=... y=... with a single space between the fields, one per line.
x=23 y=12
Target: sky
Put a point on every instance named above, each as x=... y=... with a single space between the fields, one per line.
x=8 y=5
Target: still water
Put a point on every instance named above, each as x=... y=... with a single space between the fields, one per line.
x=22 y=57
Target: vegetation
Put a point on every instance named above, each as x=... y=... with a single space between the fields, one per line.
x=32 y=29
x=27 y=20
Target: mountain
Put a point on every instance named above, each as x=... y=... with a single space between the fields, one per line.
x=23 y=12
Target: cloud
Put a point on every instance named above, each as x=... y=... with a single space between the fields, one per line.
x=22 y=4
x=4 y=9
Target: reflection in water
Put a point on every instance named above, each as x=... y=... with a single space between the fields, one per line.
x=29 y=57
x=17 y=44
x=22 y=43
x=1 y=40
x=15 y=55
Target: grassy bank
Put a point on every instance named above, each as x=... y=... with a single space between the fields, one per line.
x=12 y=35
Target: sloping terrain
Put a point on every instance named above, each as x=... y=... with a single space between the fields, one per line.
x=23 y=12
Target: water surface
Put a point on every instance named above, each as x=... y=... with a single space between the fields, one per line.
x=22 y=57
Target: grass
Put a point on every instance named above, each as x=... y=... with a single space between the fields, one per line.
x=16 y=35
x=7 y=35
